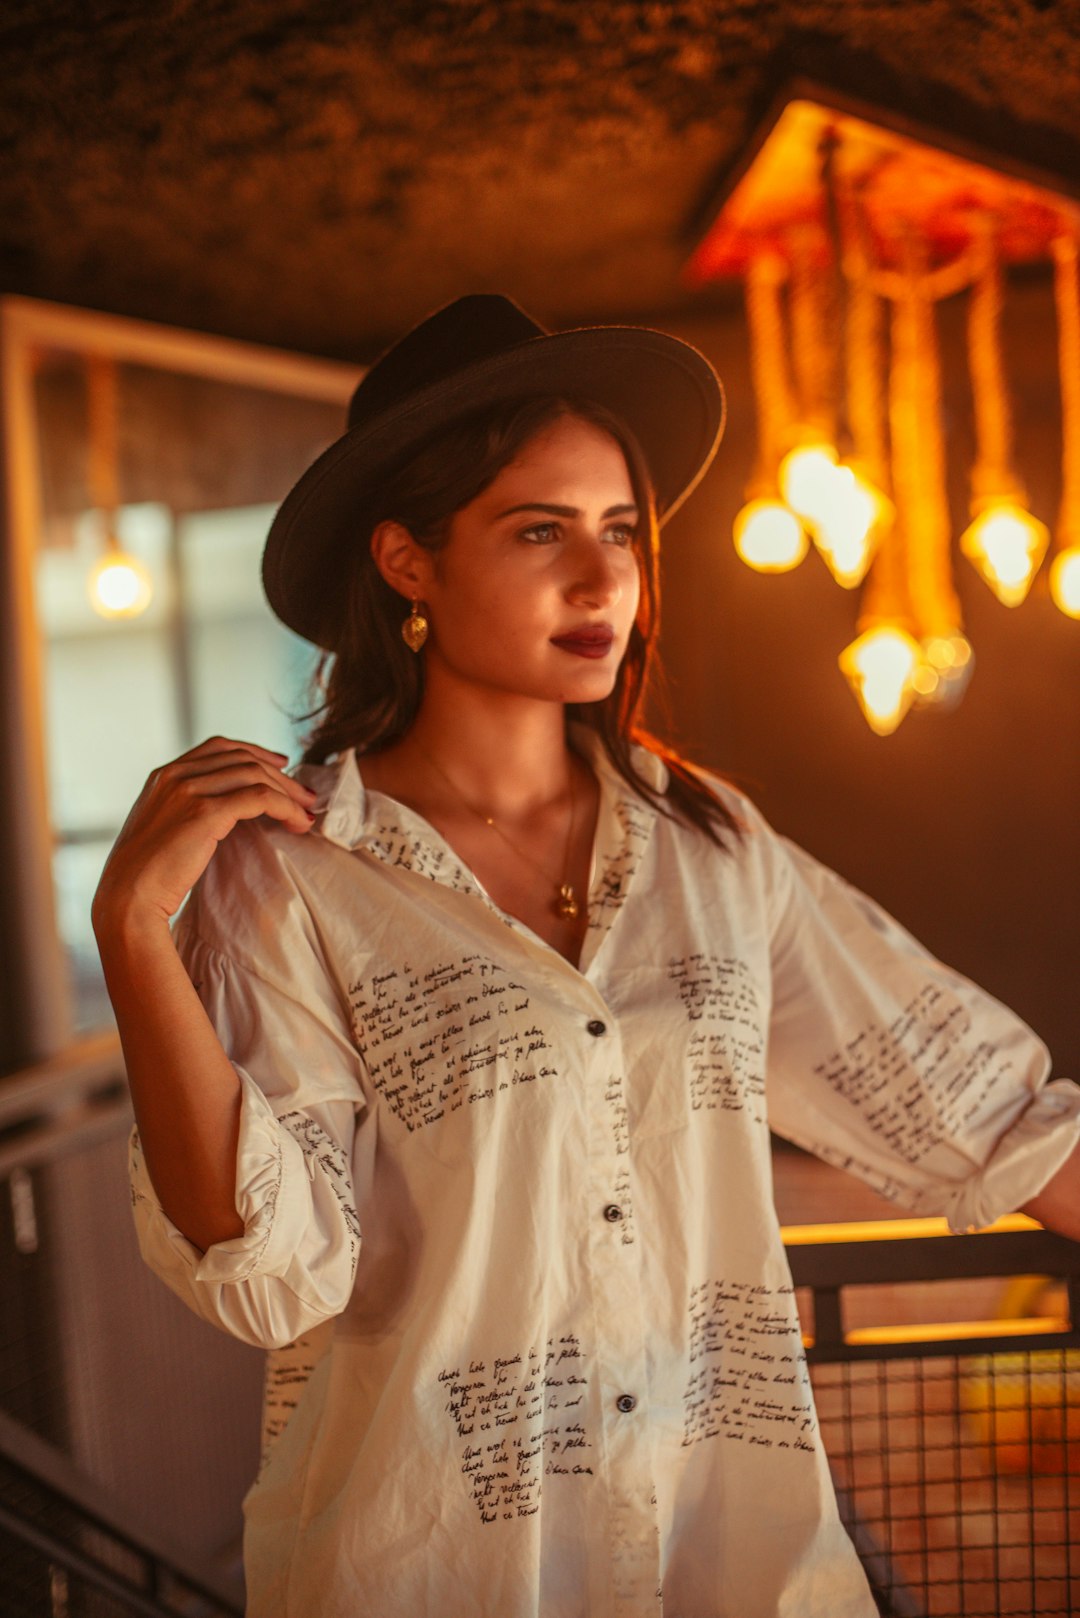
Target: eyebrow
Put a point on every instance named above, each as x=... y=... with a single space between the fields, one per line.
x=563 y=511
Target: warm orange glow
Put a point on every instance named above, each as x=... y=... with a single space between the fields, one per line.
x=807 y=480
x=850 y=236
x=895 y=1230
x=119 y=585
x=897 y=176
x=948 y=652
x=769 y=536
x=1025 y=1408
x=1006 y=545
x=843 y=510
x=943 y=1330
x=946 y=667
x=880 y=667
x=852 y=522
x=1065 y=581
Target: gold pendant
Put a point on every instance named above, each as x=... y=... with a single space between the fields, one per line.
x=566 y=905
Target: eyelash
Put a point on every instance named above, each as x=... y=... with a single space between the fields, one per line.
x=552 y=528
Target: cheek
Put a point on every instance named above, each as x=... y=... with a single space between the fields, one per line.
x=482 y=618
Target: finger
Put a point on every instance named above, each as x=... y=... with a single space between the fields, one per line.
x=218 y=744
x=249 y=802
x=216 y=782
x=188 y=769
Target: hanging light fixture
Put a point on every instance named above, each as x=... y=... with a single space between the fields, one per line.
x=119 y=584
x=835 y=219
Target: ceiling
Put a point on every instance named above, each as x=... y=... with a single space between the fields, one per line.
x=318 y=175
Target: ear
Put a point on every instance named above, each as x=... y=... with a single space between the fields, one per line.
x=406 y=566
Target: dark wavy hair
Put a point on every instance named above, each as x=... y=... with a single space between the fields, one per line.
x=367 y=692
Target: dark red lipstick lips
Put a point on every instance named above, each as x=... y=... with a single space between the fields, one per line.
x=586 y=642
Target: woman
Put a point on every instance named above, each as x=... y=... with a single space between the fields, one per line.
x=450 y=1081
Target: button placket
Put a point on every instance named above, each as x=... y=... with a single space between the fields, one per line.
x=615 y=1280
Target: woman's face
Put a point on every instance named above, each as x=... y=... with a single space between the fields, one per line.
x=536 y=589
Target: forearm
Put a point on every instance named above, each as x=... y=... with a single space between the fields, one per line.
x=1057 y=1205
x=185 y=1091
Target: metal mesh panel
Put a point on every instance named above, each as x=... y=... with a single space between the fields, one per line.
x=959 y=1479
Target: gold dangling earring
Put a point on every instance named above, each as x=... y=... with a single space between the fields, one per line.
x=414 y=631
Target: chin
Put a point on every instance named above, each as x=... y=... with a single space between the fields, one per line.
x=584 y=691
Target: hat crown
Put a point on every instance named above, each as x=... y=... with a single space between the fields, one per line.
x=462 y=333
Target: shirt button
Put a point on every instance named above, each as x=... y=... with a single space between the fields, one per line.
x=625 y=1402
x=613 y=1213
x=596 y=1027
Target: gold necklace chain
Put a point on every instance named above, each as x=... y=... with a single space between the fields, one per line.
x=565 y=904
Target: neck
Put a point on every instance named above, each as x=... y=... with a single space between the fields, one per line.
x=505 y=753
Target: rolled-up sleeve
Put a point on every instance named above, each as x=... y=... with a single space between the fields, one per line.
x=886 y=1062
x=295 y=1262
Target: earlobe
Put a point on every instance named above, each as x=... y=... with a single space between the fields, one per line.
x=405 y=565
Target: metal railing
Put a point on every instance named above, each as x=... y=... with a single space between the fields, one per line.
x=954 y=1446
x=65 y=1549
x=64 y=1104
x=119 y=1410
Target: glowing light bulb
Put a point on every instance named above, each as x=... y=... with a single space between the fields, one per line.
x=807 y=478
x=880 y=667
x=769 y=537
x=1065 y=581
x=850 y=525
x=1006 y=545
x=119 y=585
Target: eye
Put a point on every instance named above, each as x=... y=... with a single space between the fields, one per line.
x=540 y=533
x=621 y=533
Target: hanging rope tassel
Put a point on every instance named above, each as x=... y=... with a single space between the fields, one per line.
x=1065 y=572
x=773 y=396
x=1067 y=299
x=810 y=347
x=919 y=456
x=866 y=363
x=992 y=477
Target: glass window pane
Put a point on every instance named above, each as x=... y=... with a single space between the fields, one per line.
x=231 y=627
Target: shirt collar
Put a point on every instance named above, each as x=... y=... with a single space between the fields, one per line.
x=342 y=807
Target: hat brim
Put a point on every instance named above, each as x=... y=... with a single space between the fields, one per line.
x=668 y=394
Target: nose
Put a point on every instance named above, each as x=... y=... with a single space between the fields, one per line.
x=596 y=578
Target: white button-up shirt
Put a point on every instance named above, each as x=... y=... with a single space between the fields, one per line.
x=509 y=1228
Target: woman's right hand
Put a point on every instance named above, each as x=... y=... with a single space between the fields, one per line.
x=181 y=815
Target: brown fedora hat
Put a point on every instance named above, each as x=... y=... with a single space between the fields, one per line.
x=477 y=351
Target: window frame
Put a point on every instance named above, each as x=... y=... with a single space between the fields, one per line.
x=36 y=1012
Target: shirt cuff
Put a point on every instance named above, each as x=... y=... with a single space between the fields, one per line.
x=267 y=1157
x=1026 y=1157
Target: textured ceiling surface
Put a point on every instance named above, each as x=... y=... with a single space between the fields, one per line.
x=318 y=175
